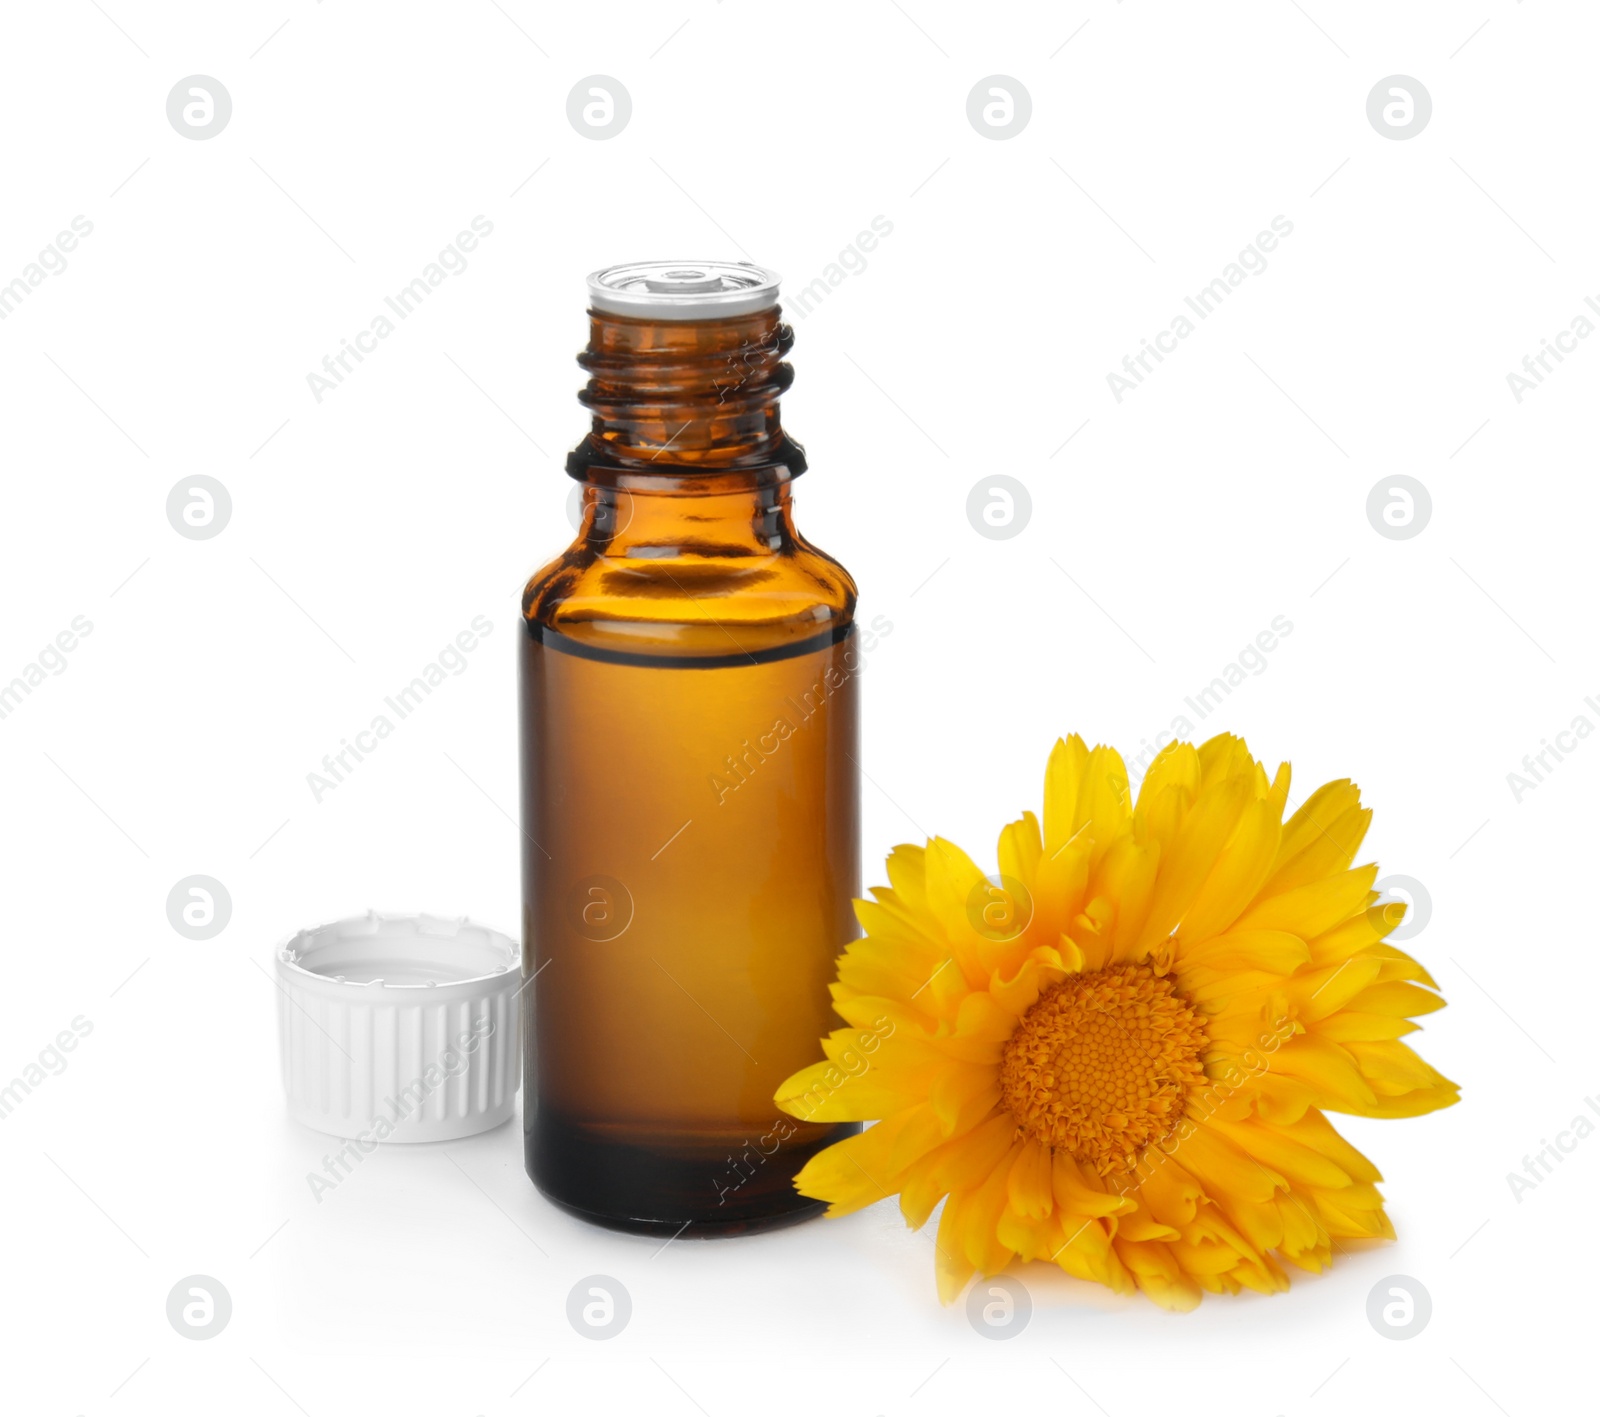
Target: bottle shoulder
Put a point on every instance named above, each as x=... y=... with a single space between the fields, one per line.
x=690 y=600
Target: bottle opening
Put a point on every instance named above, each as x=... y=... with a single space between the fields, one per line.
x=683 y=290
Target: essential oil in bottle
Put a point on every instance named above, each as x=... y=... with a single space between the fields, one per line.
x=690 y=804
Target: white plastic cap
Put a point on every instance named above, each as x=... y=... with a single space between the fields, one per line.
x=399 y=1027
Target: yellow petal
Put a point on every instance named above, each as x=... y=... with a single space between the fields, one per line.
x=959 y=1164
x=1299 y=1164
x=1127 y=877
x=1222 y=1168
x=1397 y=999
x=1274 y=951
x=980 y=1221
x=1394 y=1070
x=1176 y=769
x=1309 y=910
x=857 y=1171
x=963 y=1094
x=1322 y=838
x=1347 y=1026
x=1193 y=854
x=1029 y=1185
x=1237 y=875
x=1074 y=1193
x=905 y=867
x=1329 y=1069
x=824 y=1092
x=1159 y=1275
x=1020 y=849
x=952 y=1268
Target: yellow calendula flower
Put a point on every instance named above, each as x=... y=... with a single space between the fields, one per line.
x=1118 y=1054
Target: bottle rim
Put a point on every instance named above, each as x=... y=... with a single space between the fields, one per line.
x=683 y=290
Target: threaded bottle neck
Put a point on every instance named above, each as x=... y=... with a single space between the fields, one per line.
x=685 y=396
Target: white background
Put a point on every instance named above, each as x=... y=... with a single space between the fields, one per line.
x=369 y=528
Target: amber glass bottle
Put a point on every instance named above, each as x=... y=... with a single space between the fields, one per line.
x=689 y=787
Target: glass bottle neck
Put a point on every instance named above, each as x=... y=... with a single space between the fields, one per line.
x=667 y=515
x=671 y=398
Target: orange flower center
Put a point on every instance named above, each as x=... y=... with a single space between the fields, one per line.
x=1100 y=1065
